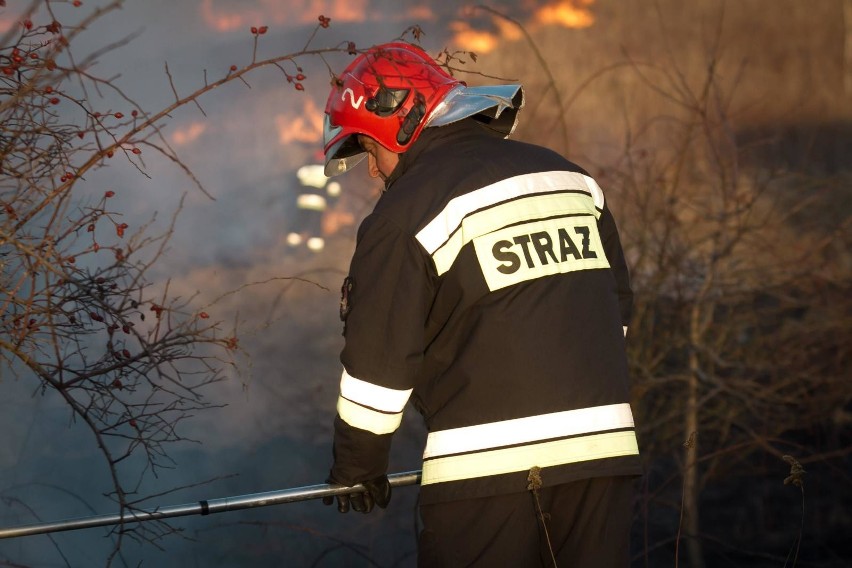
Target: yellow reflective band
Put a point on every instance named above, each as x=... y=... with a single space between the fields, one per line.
x=510 y=213
x=439 y=229
x=311 y=201
x=533 y=250
x=374 y=396
x=528 y=429
x=522 y=458
x=366 y=418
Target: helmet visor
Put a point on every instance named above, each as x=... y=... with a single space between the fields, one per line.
x=343 y=154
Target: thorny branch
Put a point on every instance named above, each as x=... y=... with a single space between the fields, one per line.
x=78 y=312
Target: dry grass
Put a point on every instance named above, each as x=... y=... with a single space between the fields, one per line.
x=782 y=59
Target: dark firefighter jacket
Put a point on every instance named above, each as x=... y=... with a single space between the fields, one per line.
x=489 y=288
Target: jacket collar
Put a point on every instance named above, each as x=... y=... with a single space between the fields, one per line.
x=435 y=137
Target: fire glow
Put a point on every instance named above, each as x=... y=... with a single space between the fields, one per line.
x=304 y=126
x=187 y=134
x=571 y=14
x=224 y=17
x=469 y=39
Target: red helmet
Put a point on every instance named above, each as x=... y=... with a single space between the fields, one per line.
x=386 y=93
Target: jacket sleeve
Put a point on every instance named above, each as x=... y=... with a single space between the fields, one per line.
x=615 y=256
x=388 y=295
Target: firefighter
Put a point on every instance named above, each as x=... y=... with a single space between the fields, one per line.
x=312 y=202
x=488 y=288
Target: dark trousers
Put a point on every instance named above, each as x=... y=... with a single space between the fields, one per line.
x=587 y=523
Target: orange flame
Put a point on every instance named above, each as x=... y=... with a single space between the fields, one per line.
x=572 y=14
x=304 y=126
x=567 y=13
x=469 y=39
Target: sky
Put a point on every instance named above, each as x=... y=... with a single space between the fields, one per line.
x=244 y=149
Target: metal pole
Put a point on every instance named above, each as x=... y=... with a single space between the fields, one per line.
x=205 y=507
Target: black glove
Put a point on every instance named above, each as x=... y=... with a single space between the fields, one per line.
x=378 y=492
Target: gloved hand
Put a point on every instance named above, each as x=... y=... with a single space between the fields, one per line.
x=378 y=493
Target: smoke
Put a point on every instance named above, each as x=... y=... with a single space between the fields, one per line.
x=245 y=148
x=187 y=134
x=303 y=125
x=224 y=16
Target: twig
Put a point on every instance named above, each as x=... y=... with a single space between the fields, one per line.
x=535 y=484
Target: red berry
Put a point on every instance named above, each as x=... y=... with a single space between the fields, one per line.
x=77 y=3
x=126 y=353
x=300 y=77
x=262 y=29
x=137 y=151
x=204 y=315
x=254 y=30
x=118 y=115
x=54 y=101
x=132 y=423
x=233 y=68
x=48 y=89
x=134 y=113
x=109 y=194
x=300 y=87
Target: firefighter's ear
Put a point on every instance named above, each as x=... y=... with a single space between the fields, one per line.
x=372 y=165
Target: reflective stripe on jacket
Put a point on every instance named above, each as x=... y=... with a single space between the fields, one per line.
x=489 y=289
